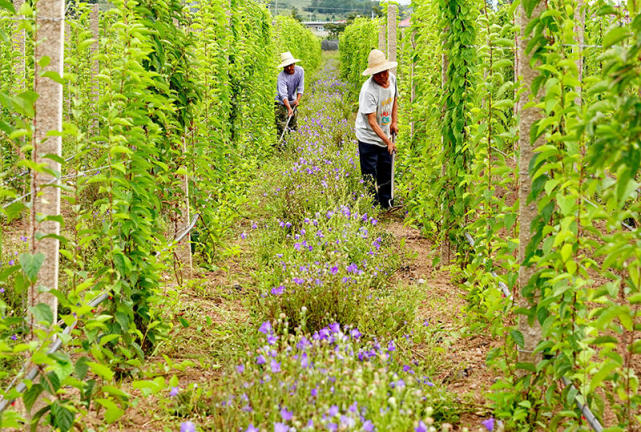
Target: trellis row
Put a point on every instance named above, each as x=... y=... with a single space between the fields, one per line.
x=502 y=254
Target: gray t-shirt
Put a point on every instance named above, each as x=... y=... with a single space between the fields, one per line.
x=379 y=100
x=288 y=86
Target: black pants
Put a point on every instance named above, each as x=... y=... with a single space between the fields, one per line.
x=376 y=167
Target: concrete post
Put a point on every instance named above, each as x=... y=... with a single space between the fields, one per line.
x=382 y=38
x=46 y=197
x=527 y=211
x=391 y=34
x=19 y=46
x=94 y=23
x=183 y=249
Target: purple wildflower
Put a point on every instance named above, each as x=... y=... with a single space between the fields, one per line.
x=243 y=235
x=304 y=361
x=14 y=337
x=271 y=339
x=335 y=327
x=265 y=327
x=422 y=427
x=278 y=290
x=334 y=270
x=368 y=426
x=174 y=391
x=261 y=359
x=280 y=427
x=314 y=392
x=390 y=346
x=333 y=411
x=489 y=424
x=355 y=333
x=187 y=427
x=251 y=428
x=303 y=343
x=275 y=366
x=286 y=415
x=240 y=368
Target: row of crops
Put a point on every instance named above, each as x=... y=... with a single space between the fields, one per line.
x=520 y=153
x=167 y=114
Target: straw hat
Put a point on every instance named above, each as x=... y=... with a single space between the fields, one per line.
x=378 y=63
x=286 y=59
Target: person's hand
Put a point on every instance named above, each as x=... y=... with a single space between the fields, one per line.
x=295 y=103
x=391 y=147
x=394 y=128
x=290 y=112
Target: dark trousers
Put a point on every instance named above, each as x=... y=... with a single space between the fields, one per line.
x=376 y=167
x=282 y=117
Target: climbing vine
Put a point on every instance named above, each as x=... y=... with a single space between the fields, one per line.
x=161 y=102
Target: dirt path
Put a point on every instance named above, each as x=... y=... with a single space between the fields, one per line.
x=458 y=353
x=212 y=313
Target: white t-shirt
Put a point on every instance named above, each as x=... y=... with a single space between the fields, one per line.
x=375 y=99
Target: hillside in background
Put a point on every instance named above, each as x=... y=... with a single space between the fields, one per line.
x=326 y=10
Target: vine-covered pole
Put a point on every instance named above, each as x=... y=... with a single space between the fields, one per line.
x=47 y=150
x=94 y=22
x=391 y=34
x=382 y=42
x=579 y=31
x=530 y=329
x=19 y=46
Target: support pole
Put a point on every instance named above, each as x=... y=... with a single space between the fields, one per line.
x=527 y=211
x=19 y=47
x=382 y=38
x=391 y=34
x=45 y=199
x=94 y=23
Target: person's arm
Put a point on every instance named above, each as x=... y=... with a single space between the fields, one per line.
x=301 y=87
x=282 y=94
x=394 y=125
x=290 y=111
x=371 y=119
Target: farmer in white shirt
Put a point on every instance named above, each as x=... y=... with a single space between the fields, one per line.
x=376 y=121
x=289 y=89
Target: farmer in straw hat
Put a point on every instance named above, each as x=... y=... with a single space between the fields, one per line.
x=376 y=121
x=289 y=89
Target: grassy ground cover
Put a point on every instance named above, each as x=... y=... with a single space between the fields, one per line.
x=321 y=316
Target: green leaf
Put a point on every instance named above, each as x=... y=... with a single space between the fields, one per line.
x=8 y=5
x=101 y=370
x=615 y=35
x=31 y=264
x=31 y=396
x=54 y=76
x=82 y=367
x=517 y=337
x=112 y=411
x=602 y=374
x=183 y=322
x=43 y=313
x=62 y=417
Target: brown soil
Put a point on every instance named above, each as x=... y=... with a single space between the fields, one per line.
x=465 y=372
